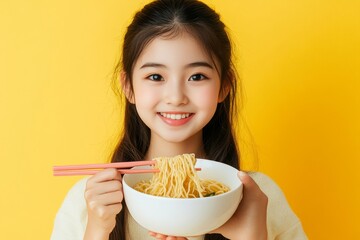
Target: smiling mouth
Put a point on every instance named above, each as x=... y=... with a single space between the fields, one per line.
x=175 y=116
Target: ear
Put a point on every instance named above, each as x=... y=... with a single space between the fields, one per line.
x=224 y=92
x=225 y=89
x=126 y=87
x=225 y=86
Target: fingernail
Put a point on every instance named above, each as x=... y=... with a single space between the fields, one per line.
x=242 y=174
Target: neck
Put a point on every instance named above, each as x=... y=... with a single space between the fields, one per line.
x=162 y=148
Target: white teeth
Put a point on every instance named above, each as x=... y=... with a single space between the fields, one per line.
x=175 y=116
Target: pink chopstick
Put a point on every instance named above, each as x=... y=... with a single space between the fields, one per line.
x=92 y=172
x=104 y=165
x=85 y=169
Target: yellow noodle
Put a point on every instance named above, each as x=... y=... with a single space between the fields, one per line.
x=178 y=179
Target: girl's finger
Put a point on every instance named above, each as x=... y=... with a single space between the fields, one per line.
x=251 y=189
x=115 y=208
x=105 y=187
x=172 y=238
x=109 y=198
x=104 y=193
x=105 y=175
x=106 y=212
x=161 y=236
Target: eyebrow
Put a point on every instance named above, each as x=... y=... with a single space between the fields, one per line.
x=190 y=65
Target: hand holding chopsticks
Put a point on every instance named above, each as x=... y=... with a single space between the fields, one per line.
x=90 y=169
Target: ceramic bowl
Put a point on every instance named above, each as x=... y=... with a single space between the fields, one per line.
x=185 y=216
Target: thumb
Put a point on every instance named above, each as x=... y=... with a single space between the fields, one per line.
x=251 y=189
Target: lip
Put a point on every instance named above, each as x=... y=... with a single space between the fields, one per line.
x=176 y=122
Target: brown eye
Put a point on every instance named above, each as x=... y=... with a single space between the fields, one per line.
x=197 y=77
x=155 y=77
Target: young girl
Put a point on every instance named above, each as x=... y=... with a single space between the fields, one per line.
x=180 y=84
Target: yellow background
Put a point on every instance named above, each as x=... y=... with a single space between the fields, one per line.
x=299 y=61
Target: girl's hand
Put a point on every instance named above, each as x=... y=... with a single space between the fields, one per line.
x=164 y=237
x=249 y=220
x=103 y=196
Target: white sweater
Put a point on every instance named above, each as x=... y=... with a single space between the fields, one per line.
x=282 y=223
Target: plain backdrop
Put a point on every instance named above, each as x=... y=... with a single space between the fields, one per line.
x=300 y=68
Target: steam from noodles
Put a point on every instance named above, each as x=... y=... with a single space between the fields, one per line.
x=178 y=179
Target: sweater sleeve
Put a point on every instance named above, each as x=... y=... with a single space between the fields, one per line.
x=294 y=233
x=70 y=221
x=282 y=222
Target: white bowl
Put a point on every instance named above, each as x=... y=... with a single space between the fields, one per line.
x=185 y=216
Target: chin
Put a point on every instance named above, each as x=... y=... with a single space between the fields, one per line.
x=175 y=140
x=180 y=138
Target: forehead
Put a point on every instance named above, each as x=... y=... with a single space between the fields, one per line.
x=180 y=49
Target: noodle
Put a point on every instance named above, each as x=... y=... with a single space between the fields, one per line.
x=178 y=179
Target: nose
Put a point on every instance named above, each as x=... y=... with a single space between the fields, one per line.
x=175 y=93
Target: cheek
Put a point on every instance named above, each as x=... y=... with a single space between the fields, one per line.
x=145 y=97
x=207 y=98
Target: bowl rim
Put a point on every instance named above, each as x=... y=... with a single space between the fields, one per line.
x=231 y=191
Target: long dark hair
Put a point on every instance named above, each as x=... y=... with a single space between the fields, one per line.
x=169 y=18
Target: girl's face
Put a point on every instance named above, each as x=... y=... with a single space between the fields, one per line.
x=175 y=88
